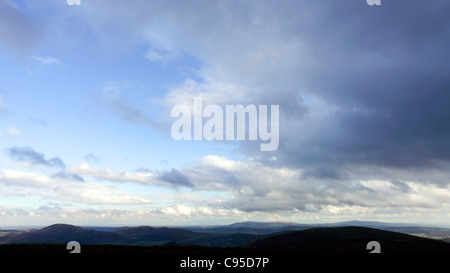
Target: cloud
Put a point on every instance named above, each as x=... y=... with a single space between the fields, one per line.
x=112 y=99
x=251 y=186
x=48 y=60
x=125 y=110
x=154 y=55
x=321 y=172
x=363 y=95
x=28 y=154
x=346 y=78
x=175 y=177
x=2 y=106
x=143 y=176
x=143 y=170
x=172 y=215
x=180 y=213
x=85 y=169
x=68 y=176
x=369 y=120
x=401 y=186
x=18 y=31
x=63 y=187
x=13 y=131
x=111 y=89
x=38 y=121
x=253 y=190
x=92 y=157
x=24 y=179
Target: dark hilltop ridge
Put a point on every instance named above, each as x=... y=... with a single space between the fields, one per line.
x=247 y=237
x=349 y=239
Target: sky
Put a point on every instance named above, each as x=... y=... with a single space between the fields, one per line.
x=86 y=94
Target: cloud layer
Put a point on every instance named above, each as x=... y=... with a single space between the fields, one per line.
x=363 y=94
x=355 y=84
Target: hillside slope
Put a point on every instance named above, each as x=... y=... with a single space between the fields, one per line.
x=349 y=239
x=62 y=233
x=138 y=236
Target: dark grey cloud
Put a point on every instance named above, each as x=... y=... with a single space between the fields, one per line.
x=322 y=172
x=175 y=178
x=356 y=84
x=382 y=75
x=401 y=186
x=28 y=154
x=18 y=31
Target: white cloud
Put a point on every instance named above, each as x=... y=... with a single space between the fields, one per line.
x=251 y=186
x=173 y=215
x=48 y=60
x=171 y=178
x=181 y=213
x=238 y=187
x=24 y=179
x=154 y=55
x=211 y=91
x=145 y=178
x=13 y=131
x=18 y=183
x=111 y=89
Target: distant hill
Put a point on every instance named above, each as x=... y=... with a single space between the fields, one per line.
x=250 y=227
x=156 y=236
x=98 y=228
x=138 y=236
x=349 y=239
x=274 y=227
x=367 y=224
x=251 y=224
x=62 y=233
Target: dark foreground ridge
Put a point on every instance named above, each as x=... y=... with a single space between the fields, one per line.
x=347 y=239
x=179 y=250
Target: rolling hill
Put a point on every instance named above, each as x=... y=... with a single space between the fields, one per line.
x=250 y=228
x=62 y=233
x=146 y=235
x=273 y=227
x=137 y=236
x=349 y=239
x=263 y=236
